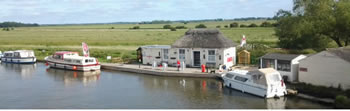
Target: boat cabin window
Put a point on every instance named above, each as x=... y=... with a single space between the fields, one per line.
x=57 y=56
x=242 y=79
x=229 y=76
x=89 y=60
x=8 y=54
x=16 y=54
x=68 y=60
x=77 y=61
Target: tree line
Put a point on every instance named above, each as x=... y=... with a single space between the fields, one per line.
x=315 y=24
x=17 y=24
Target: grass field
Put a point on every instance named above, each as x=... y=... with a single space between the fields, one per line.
x=102 y=39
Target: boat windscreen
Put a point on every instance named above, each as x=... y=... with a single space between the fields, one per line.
x=229 y=76
x=274 y=77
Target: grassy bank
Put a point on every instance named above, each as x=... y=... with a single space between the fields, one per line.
x=119 y=41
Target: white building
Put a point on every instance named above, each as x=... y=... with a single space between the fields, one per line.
x=196 y=47
x=329 y=68
x=157 y=53
x=286 y=64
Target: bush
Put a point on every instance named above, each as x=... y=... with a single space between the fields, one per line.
x=234 y=24
x=136 y=27
x=266 y=24
x=253 y=25
x=181 y=27
x=167 y=27
x=112 y=27
x=201 y=26
x=342 y=102
x=172 y=29
x=243 y=25
x=218 y=26
x=226 y=26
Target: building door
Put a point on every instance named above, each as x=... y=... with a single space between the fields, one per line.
x=196 y=58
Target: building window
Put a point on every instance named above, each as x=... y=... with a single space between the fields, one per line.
x=211 y=55
x=165 y=53
x=283 y=65
x=268 y=63
x=303 y=69
x=182 y=54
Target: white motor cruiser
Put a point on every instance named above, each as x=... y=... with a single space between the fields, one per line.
x=265 y=82
x=18 y=57
x=72 y=61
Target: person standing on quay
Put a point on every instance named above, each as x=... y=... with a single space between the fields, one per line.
x=178 y=65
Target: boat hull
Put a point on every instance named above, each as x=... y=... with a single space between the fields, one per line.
x=76 y=67
x=27 y=60
x=252 y=89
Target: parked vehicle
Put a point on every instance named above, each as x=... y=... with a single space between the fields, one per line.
x=18 y=57
x=265 y=82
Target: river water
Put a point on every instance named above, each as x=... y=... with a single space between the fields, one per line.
x=36 y=86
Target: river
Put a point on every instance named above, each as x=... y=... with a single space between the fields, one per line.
x=35 y=86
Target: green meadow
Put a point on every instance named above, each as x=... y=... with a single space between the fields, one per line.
x=118 y=41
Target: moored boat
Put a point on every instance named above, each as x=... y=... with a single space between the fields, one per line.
x=72 y=61
x=18 y=57
x=265 y=82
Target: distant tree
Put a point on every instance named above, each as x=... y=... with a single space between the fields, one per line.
x=218 y=26
x=172 y=29
x=274 y=24
x=17 y=24
x=185 y=22
x=167 y=27
x=266 y=24
x=181 y=27
x=136 y=27
x=234 y=24
x=201 y=26
x=253 y=25
x=226 y=26
x=243 y=25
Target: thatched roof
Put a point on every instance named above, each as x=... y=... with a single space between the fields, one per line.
x=342 y=52
x=203 y=38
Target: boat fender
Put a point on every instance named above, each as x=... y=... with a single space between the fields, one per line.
x=74 y=67
x=47 y=64
x=64 y=67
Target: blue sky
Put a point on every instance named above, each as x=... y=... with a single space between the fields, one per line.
x=102 y=11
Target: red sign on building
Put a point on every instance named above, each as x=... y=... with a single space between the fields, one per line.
x=229 y=59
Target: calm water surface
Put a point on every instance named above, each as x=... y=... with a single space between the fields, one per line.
x=36 y=86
